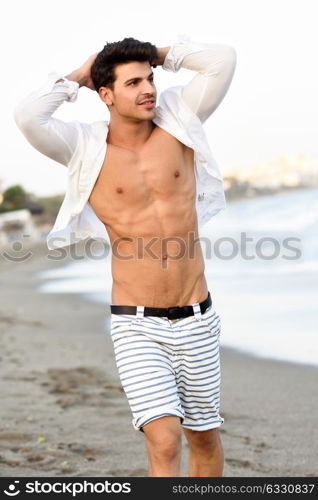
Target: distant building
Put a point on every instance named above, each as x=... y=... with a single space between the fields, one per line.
x=16 y=224
x=280 y=173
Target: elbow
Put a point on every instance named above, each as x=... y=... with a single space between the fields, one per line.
x=24 y=117
x=229 y=58
x=17 y=115
x=231 y=64
x=222 y=61
x=227 y=64
x=21 y=116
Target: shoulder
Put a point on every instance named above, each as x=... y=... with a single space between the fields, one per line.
x=94 y=129
x=173 y=107
x=170 y=99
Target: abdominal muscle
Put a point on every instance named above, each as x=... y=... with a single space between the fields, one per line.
x=161 y=270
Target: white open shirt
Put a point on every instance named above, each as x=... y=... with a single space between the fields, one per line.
x=81 y=147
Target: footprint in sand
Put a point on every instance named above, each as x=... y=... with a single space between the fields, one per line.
x=128 y=472
x=84 y=451
x=245 y=439
x=81 y=386
x=247 y=464
x=15 y=436
x=261 y=446
x=239 y=463
x=14 y=320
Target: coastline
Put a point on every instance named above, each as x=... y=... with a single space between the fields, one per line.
x=64 y=413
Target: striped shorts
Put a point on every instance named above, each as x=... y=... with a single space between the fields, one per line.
x=170 y=367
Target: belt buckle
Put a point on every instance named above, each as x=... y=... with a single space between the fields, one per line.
x=172 y=311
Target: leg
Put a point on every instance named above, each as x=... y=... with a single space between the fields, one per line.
x=206 y=458
x=163 y=442
x=147 y=376
x=198 y=377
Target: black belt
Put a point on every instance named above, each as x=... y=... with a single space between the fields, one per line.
x=169 y=312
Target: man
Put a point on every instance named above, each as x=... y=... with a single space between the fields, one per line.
x=148 y=179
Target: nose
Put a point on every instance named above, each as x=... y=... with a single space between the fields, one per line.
x=148 y=87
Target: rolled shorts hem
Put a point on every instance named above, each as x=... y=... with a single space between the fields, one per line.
x=139 y=422
x=204 y=427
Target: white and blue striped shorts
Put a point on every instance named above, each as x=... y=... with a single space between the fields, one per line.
x=170 y=367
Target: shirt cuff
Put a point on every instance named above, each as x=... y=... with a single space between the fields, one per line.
x=69 y=86
x=176 y=53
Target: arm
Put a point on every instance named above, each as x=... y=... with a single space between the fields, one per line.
x=214 y=64
x=33 y=115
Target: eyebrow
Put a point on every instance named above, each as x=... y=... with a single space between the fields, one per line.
x=138 y=78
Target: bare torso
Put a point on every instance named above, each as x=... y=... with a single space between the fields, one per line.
x=146 y=200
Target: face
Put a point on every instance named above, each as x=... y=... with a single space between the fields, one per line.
x=134 y=85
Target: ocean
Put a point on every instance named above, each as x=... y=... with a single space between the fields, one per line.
x=261 y=265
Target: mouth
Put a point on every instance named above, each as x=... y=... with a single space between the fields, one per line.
x=148 y=104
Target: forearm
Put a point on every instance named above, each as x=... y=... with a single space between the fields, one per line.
x=76 y=76
x=82 y=75
x=162 y=52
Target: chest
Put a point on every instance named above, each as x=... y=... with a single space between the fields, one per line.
x=162 y=169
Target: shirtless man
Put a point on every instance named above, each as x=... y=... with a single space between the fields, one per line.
x=145 y=194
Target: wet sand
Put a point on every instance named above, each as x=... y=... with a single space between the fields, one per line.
x=63 y=412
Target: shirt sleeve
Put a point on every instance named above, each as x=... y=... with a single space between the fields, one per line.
x=215 y=65
x=33 y=115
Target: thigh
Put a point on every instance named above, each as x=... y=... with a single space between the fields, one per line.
x=145 y=367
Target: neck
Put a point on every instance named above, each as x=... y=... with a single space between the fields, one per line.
x=129 y=134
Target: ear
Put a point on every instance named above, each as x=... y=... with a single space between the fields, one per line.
x=105 y=94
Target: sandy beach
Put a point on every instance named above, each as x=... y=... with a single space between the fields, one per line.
x=63 y=412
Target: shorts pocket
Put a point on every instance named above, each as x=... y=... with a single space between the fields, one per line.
x=212 y=320
x=122 y=323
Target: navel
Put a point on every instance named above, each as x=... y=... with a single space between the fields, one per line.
x=119 y=190
x=177 y=173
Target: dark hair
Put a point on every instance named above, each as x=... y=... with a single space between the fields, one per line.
x=124 y=51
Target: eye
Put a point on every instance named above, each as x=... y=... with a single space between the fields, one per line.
x=132 y=83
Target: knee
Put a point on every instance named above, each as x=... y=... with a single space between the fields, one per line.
x=165 y=447
x=167 y=450
x=205 y=441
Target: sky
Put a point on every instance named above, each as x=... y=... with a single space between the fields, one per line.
x=270 y=109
